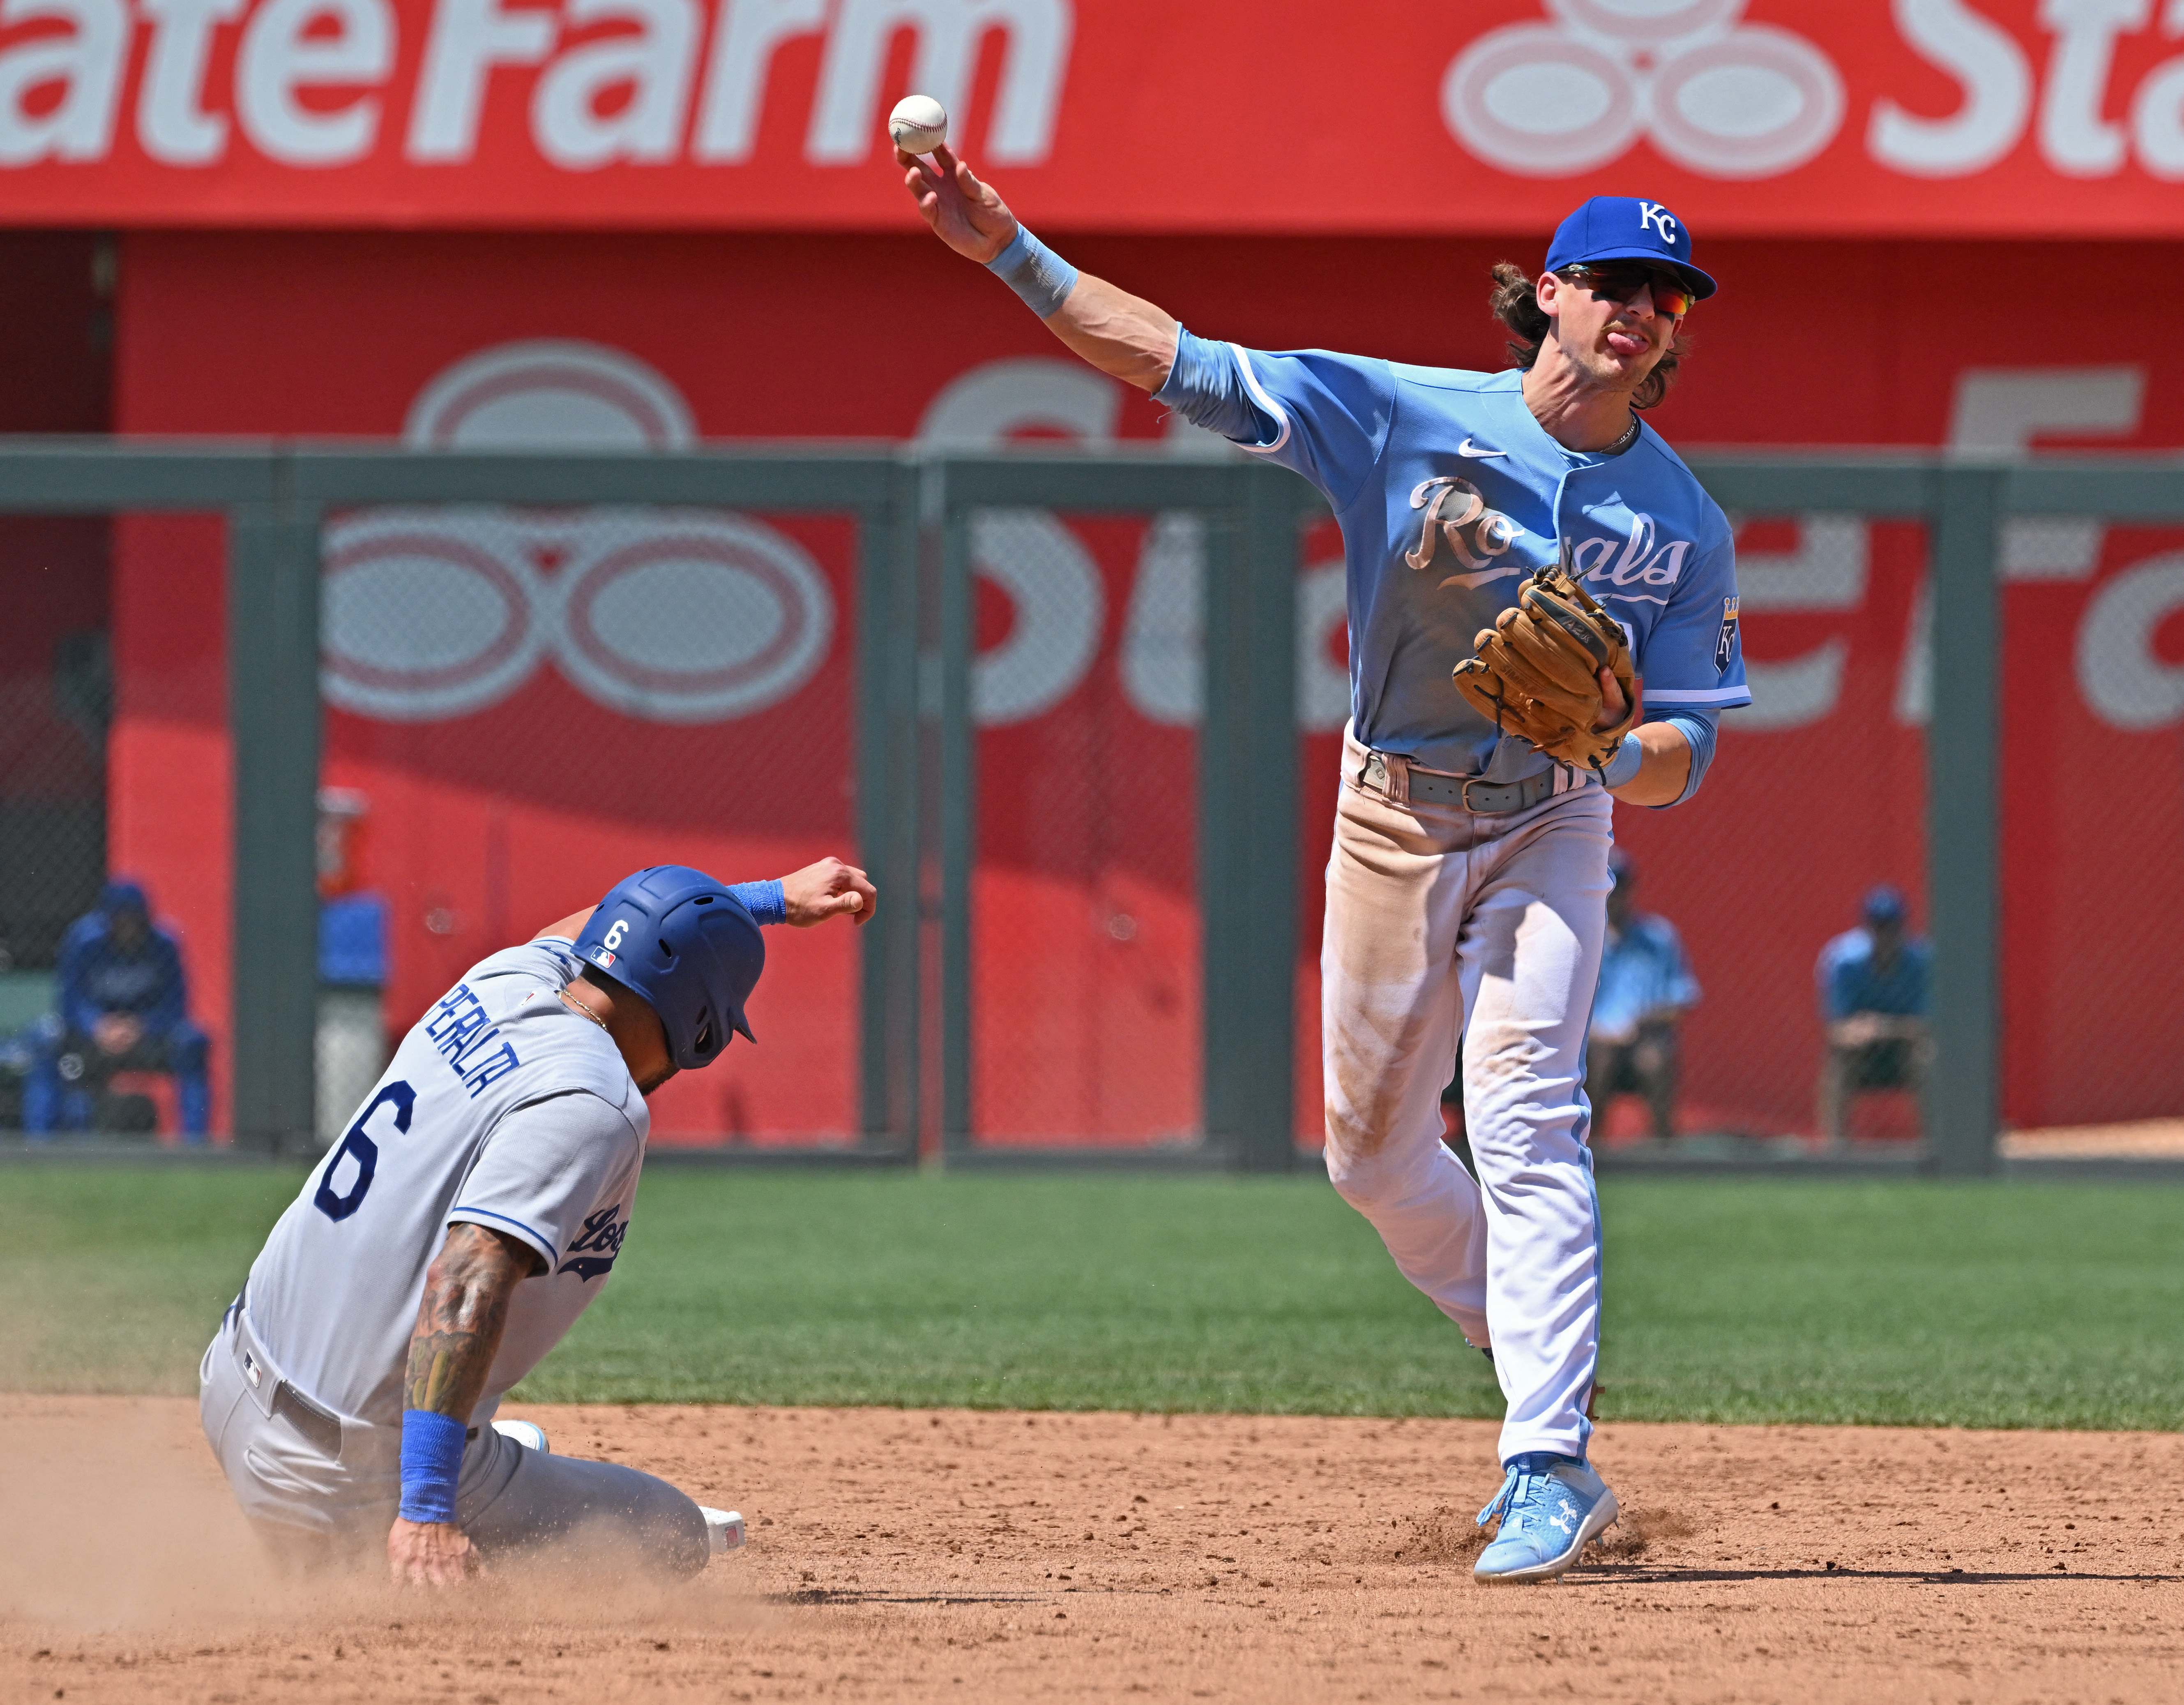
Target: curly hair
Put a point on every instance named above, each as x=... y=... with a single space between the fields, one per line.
x=1516 y=304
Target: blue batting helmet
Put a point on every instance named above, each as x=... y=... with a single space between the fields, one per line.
x=688 y=946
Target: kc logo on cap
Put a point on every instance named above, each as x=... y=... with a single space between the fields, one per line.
x=1623 y=227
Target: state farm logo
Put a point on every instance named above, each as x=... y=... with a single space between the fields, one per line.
x=675 y=615
x=327 y=83
x=1723 y=97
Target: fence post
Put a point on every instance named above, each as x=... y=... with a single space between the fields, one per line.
x=886 y=808
x=1247 y=824
x=958 y=828
x=274 y=719
x=1964 y=809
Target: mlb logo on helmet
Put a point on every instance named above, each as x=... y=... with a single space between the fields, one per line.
x=1623 y=227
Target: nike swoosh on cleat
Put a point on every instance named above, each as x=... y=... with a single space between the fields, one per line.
x=1467 y=448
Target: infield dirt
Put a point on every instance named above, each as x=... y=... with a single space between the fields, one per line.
x=986 y=1556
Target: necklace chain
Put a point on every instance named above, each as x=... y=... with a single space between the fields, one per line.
x=574 y=1006
x=1630 y=433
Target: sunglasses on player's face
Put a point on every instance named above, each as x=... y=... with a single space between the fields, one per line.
x=1618 y=284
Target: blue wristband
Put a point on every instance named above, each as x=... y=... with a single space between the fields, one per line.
x=1624 y=766
x=432 y=1459
x=764 y=901
x=1035 y=272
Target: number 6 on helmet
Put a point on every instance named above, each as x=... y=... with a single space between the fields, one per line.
x=688 y=946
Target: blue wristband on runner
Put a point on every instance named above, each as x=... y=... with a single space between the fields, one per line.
x=1035 y=272
x=1624 y=766
x=764 y=901
x=432 y=1459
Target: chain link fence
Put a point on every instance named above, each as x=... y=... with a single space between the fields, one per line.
x=527 y=704
x=416 y=707
x=56 y=710
x=2093 y=918
x=1086 y=944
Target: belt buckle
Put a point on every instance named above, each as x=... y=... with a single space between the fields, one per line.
x=1470 y=781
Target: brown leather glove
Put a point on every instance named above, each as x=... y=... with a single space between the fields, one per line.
x=1537 y=672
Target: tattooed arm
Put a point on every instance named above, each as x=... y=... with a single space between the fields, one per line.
x=459 y=1328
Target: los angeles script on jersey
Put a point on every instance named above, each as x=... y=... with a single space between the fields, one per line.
x=602 y=1235
x=461 y=1031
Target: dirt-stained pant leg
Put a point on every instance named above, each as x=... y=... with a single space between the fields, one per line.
x=1433 y=914
x=1391 y=1012
x=515 y=1501
x=314 y=1511
x=1529 y=962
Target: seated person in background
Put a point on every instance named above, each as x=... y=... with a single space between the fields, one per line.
x=1646 y=988
x=1873 y=985
x=124 y=1007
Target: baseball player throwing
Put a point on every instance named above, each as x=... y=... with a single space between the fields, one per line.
x=472 y=1212
x=1526 y=534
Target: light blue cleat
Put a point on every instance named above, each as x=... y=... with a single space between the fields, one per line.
x=1550 y=1506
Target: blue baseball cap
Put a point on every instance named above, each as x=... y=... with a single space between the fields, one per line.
x=121 y=894
x=1622 y=227
x=1884 y=904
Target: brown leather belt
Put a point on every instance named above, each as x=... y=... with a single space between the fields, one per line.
x=1473 y=794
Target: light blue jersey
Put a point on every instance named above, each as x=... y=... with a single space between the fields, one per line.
x=1449 y=494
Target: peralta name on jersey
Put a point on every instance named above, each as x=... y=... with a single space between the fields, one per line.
x=460 y=1031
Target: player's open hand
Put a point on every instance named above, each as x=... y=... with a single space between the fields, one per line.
x=966 y=214
x=430 y=1554
x=828 y=888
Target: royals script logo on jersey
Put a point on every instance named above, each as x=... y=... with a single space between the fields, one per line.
x=592 y=1252
x=1642 y=560
x=1456 y=513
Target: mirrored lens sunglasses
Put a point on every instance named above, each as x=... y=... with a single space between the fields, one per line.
x=1618 y=284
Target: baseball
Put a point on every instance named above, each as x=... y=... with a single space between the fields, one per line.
x=918 y=124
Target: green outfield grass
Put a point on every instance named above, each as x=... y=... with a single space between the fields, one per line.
x=1732 y=1300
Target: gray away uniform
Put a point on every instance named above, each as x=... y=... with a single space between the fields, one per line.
x=503 y=1109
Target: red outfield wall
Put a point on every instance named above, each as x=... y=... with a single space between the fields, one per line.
x=1917 y=117
x=544 y=736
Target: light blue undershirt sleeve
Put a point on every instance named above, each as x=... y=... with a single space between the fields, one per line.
x=1041 y=278
x=764 y=901
x=1700 y=732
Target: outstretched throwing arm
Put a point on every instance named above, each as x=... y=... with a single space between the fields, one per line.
x=1125 y=337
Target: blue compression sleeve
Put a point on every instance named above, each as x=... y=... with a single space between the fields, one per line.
x=1700 y=731
x=1207 y=389
x=1035 y=272
x=432 y=1459
x=764 y=901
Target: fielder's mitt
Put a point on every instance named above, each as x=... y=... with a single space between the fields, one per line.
x=1536 y=672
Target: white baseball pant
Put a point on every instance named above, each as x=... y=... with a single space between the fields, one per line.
x=315 y=1510
x=1442 y=923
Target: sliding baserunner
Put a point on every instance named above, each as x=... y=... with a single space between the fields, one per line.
x=473 y=1211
